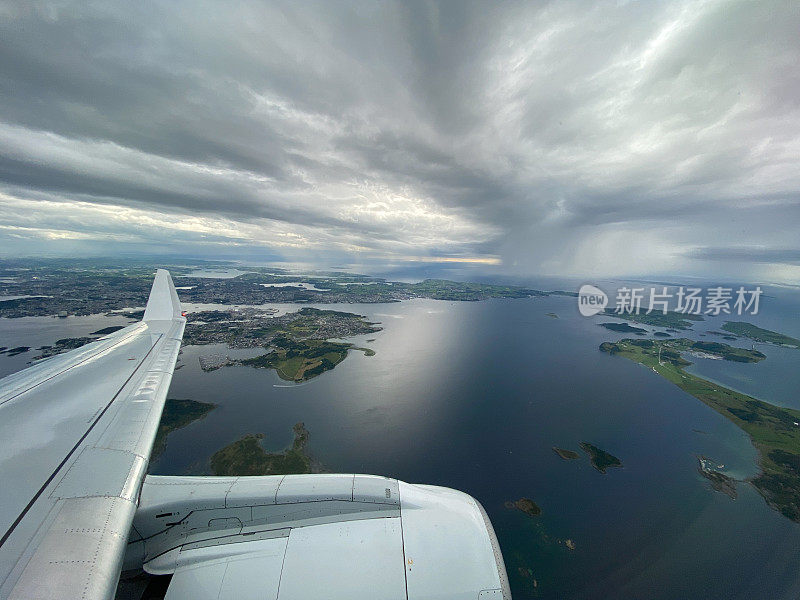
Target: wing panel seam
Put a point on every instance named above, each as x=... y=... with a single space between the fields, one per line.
x=52 y=476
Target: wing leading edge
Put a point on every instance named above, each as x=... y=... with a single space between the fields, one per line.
x=77 y=433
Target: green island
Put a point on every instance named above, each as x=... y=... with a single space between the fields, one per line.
x=178 y=413
x=773 y=430
x=300 y=360
x=672 y=320
x=566 y=454
x=526 y=505
x=601 y=460
x=623 y=328
x=758 y=334
x=246 y=456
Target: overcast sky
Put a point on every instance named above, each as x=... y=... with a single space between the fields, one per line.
x=568 y=138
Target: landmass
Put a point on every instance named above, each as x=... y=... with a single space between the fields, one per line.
x=177 y=414
x=601 y=460
x=15 y=351
x=246 y=456
x=67 y=344
x=526 y=505
x=107 y=330
x=79 y=287
x=254 y=328
x=623 y=327
x=671 y=320
x=719 y=481
x=758 y=334
x=298 y=344
x=62 y=345
x=669 y=351
x=773 y=430
x=566 y=454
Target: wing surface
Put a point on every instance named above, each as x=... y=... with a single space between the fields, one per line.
x=77 y=431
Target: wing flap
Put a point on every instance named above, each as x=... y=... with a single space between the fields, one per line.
x=80 y=555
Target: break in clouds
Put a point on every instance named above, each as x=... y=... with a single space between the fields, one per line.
x=524 y=138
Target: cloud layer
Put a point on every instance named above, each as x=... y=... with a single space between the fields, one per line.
x=562 y=138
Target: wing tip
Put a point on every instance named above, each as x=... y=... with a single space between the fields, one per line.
x=163 y=304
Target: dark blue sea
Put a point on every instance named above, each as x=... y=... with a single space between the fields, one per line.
x=474 y=395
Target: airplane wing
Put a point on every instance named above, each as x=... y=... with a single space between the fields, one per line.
x=75 y=436
x=77 y=509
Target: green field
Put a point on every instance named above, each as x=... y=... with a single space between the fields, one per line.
x=757 y=334
x=246 y=456
x=773 y=430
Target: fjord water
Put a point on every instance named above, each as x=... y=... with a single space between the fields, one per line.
x=475 y=395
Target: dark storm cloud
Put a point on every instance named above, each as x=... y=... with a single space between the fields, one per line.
x=785 y=256
x=559 y=137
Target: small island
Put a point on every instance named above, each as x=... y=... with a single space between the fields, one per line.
x=623 y=328
x=246 y=456
x=670 y=320
x=15 y=351
x=566 y=454
x=601 y=460
x=526 y=505
x=758 y=334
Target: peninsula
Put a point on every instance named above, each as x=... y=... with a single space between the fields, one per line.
x=177 y=413
x=773 y=430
